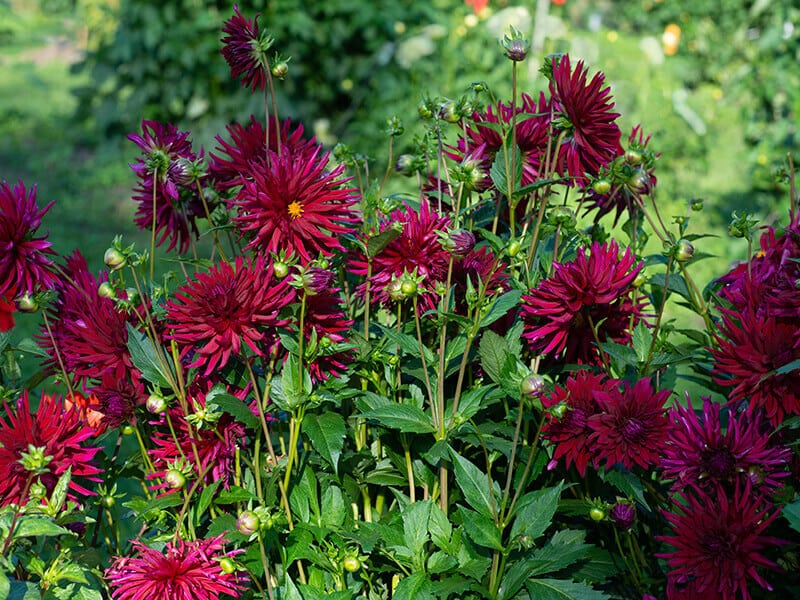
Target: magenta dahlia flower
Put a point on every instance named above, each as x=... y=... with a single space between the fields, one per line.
x=245 y=50
x=326 y=322
x=117 y=399
x=583 y=115
x=90 y=333
x=297 y=205
x=219 y=313
x=62 y=434
x=632 y=426
x=593 y=291
x=247 y=150
x=718 y=543
x=751 y=348
x=568 y=428
x=163 y=174
x=25 y=263
x=700 y=454
x=185 y=571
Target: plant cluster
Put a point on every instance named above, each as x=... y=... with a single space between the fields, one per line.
x=462 y=391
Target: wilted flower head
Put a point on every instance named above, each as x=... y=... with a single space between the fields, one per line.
x=591 y=292
x=583 y=115
x=623 y=515
x=700 y=454
x=245 y=50
x=719 y=542
x=632 y=426
x=59 y=432
x=185 y=571
x=25 y=263
x=221 y=312
x=296 y=204
x=162 y=180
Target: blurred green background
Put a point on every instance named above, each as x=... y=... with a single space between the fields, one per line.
x=716 y=84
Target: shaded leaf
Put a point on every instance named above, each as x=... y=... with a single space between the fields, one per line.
x=326 y=433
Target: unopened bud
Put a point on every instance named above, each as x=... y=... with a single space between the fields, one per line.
x=114 y=259
x=247 y=523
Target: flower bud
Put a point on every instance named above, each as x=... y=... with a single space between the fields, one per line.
x=684 y=250
x=351 y=564
x=639 y=182
x=280 y=268
x=696 y=204
x=448 y=112
x=248 y=523
x=156 y=404
x=623 y=515
x=424 y=109
x=114 y=259
x=632 y=157
x=532 y=386
x=513 y=248
x=106 y=290
x=640 y=280
x=227 y=566
x=316 y=280
x=601 y=186
x=563 y=216
x=408 y=287
x=597 y=514
x=175 y=479
x=27 y=303
x=459 y=242
x=516 y=45
x=404 y=165
x=280 y=69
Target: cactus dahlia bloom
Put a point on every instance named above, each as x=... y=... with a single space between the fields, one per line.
x=591 y=292
x=185 y=571
x=60 y=432
x=244 y=49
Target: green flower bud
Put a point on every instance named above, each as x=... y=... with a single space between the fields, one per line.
x=632 y=157
x=684 y=250
x=106 y=290
x=114 y=259
x=563 y=216
x=597 y=514
x=175 y=479
x=601 y=186
x=156 y=404
x=448 y=112
x=280 y=268
x=532 y=386
x=280 y=69
x=516 y=46
x=513 y=248
x=227 y=566
x=696 y=204
x=248 y=523
x=27 y=304
x=351 y=564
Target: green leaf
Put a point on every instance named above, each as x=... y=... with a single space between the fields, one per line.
x=407 y=343
x=378 y=242
x=143 y=356
x=29 y=526
x=415 y=525
x=559 y=589
x=642 y=340
x=416 y=586
x=563 y=549
x=326 y=433
x=439 y=562
x=501 y=306
x=5 y=584
x=5 y=338
x=333 y=508
x=474 y=484
x=235 y=494
x=59 y=495
x=31 y=347
x=493 y=351
x=290 y=591
x=627 y=483
x=481 y=529
x=404 y=417
x=206 y=497
x=792 y=514
x=536 y=512
x=232 y=405
x=676 y=283
x=788 y=367
x=24 y=590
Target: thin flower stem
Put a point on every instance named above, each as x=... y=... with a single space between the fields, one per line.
x=409 y=468
x=522 y=482
x=17 y=514
x=388 y=165
x=217 y=243
x=424 y=363
x=153 y=228
x=59 y=358
x=658 y=317
x=265 y=564
x=514 y=444
x=187 y=497
x=600 y=352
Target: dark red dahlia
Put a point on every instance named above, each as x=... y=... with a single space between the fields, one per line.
x=700 y=454
x=297 y=205
x=185 y=571
x=209 y=443
x=568 y=427
x=326 y=322
x=247 y=150
x=163 y=174
x=117 y=399
x=632 y=426
x=7 y=310
x=751 y=348
x=220 y=313
x=60 y=432
x=90 y=332
x=245 y=50
x=584 y=119
x=718 y=543
x=25 y=263
x=416 y=250
x=593 y=291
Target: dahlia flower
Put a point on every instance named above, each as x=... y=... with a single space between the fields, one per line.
x=245 y=50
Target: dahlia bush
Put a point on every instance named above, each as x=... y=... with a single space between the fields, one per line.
x=317 y=382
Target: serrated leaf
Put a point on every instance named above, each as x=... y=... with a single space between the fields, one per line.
x=536 y=512
x=492 y=351
x=675 y=283
x=29 y=526
x=290 y=591
x=501 y=306
x=559 y=589
x=416 y=586
x=403 y=417
x=326 y=433
x=378 y=242
x=143 y=357
x=481 y=529
x=642 y=340
x=333 y=508
x=235 y=494
x=31 y=347
x=59 y=495
x=407 y=343
x=627 y=483
x=474 y=484
x=235 y=407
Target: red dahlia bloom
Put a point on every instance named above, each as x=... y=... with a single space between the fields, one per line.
x=582 y=112
x=25 y=263
x=117 y=399
x=700 y=455
x=295 y=204
x=591 y=291
x=245 y=50
x=325 y=320
x=219 y=312
x=751 y=348
x=719 y=543
x=186 y=571
x=60 y=431
x=90 y=333
x=163 y=172
x=570 y=432
x=247 y=150
x=7 y=310
x=632 y=427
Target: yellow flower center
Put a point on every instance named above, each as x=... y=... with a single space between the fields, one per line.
x=295 y=210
